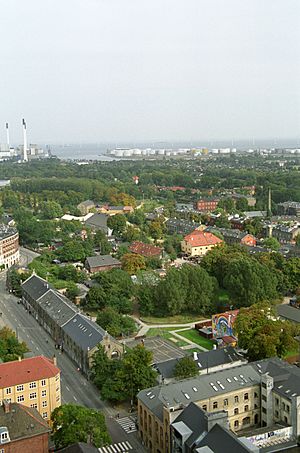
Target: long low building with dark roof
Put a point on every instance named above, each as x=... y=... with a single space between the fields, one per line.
x=72 y=331
x=255 y=395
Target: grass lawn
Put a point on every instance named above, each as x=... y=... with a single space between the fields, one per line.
x=178 y=319
x=166 y=334
x=293 y=353
x=194 y=336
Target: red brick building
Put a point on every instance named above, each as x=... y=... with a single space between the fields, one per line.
x=146 y=250
x=102 y=263
x=206 y=204
x=22 y=429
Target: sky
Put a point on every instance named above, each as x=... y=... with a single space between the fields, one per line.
x=136 y=70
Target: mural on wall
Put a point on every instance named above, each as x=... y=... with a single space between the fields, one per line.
x=223 y=323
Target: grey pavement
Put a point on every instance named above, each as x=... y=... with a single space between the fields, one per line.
x=74 y=386
x=26 y=256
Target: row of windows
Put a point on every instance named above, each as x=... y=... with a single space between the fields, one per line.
x=284 y=406
x=225 y=401
x=20 y=387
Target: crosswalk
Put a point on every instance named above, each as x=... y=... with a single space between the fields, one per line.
x=120 y=447
x=128 y=424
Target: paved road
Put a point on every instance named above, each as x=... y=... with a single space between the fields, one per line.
x=26 y=256
x=75 y=387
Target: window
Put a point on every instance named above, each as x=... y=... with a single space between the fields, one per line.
x=44 y=404
x=57 y=398
x=277 y=401
x=246 y=421
x=8 y=391
x=32 y=385
x=236 y=399
x=276 y=414
x=215 y=405
x=264 y=385
x=236 y=411
x=43 y=382
x=246 y=408
x=226 y=402
x=287 y=408
x=45 y=414
x=20 y=398
x=246 y=397
x=44 y=392
x=283 y=406
x=20 y=388
x=57 y=377
x=57 y=389
x=34 y=405
x=4 y=436
x=2 y=450
x=264 y=398
x=264 y=410
x=285 y=419
x=255 y=395
x=204 y=407
x=236 y=423
x=32 y=396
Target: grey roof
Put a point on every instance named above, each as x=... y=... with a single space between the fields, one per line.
x=252 y=214
x=228 y=233
x=87 y=203
x=84 y=332
x=58 y=307
x=97 y=221
x=221 y=440
x=19 y=418
x=204 y=360
x=7 y=231
x=202 y=386
x=288 y=312
x=286 y=377
x=35 y=286
x=102 y=260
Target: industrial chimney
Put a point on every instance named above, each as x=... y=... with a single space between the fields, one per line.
x=25 y=158
x=7 y=136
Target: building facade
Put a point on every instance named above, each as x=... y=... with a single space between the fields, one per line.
x=9 y=246
x=198 y=243
x=254 y=395
x=33 y=382
x=207 y=204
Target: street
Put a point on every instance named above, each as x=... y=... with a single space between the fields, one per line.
x=75 y=388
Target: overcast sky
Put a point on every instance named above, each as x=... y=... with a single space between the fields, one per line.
x=113 y=70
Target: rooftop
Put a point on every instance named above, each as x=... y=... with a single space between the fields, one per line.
x=26 y=370
x=102 y=260
x=22 y=422
x=201 y=238
x=36 y=286
x=288 y=312
x=147 y=250
x=7 y=231
x=84 y=332
x=58 y=307
x=97 y=220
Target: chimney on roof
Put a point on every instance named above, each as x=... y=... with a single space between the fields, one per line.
x=6 y=405
x=19 y=358
x=54 y=360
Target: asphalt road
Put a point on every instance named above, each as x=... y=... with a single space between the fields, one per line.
x=75 y=388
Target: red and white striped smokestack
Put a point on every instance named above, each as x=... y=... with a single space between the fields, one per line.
x=25 y=158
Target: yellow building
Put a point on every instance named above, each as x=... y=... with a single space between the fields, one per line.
x=33 y=382
x=198 y=243
x=250 y=396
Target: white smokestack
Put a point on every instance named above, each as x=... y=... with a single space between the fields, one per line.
x=7 y=136
x=25 y=158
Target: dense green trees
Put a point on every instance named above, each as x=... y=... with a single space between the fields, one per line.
x=73 y=423
x=117 y=223
x=185 y=368
x=115 y=323
x=189 y=289
x=10 y=347
x=132 y=263
x=262 y=335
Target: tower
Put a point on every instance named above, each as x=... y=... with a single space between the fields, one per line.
x=7 y=136
x=25 y=158
x=269 y=202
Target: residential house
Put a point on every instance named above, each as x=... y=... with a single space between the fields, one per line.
x=33 y=382
x=180 y=226
x=198 y=243
x=63 y=321
x=146 y=250
x=234 y=236
x=86 y=206
x=102 y=263
x=262 y=395
x=112 y=210
x=285 y=311
x=285 y=233
x=99 y=222
x=22 y=429
x=291 y=208
x=207 y=204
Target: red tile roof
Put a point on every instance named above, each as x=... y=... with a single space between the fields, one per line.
x=202 y=238
x=26 y=370
x=143 y=249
